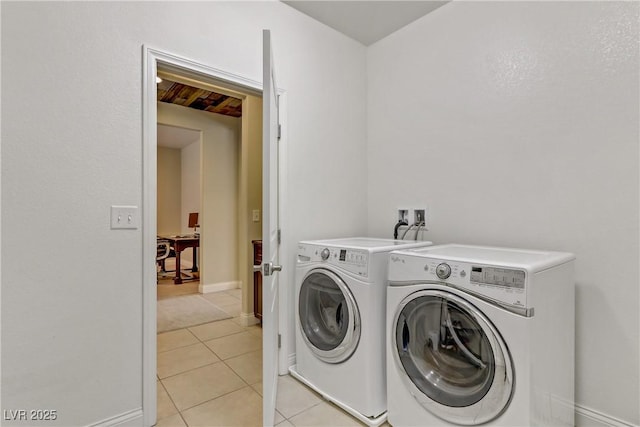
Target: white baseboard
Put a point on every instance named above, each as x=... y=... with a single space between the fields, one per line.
x=128 y=419
x=587 y=417
x=217 y=287
x=248 y=319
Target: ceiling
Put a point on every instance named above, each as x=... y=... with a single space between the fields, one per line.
x=200 y=99
x=365 y=21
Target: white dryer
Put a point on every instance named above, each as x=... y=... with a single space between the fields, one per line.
x=480 y=335
x=340 y=321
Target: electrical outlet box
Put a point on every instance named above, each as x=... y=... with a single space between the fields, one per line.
x=403 y=215
x=420 y=216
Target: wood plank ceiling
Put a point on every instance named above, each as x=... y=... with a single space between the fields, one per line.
x=200 y=99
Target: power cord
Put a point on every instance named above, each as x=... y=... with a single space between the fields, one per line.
x=398 y=225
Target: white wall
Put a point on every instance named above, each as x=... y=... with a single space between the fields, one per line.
x=191 y=182
x=517 y=125
x=169 y=187
x=72 y=145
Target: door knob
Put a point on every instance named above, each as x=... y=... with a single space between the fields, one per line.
x=268 y=268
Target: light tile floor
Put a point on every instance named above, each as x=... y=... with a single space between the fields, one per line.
x=211 y=375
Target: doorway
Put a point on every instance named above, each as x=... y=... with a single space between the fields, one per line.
x=209 y=165
x=167 y=64
x=179 y=200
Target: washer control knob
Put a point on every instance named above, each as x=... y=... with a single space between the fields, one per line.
x=325 y=254
x=443 y=270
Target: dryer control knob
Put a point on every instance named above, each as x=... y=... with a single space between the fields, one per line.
x=443 y=270
x=325 y=254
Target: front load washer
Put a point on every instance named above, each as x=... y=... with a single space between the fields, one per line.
x=340 y=321
x=480 y=335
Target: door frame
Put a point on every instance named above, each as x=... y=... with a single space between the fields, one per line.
x=151 y=59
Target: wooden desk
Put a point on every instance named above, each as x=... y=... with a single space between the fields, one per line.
x=179 y=244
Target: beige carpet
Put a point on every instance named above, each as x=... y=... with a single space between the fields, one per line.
x=186 y=311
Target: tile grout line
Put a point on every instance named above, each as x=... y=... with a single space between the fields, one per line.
x=215 y=398
x=222 y=336
x=172 y=402
x=199 y=340
x=220 y=360
x=191 y=370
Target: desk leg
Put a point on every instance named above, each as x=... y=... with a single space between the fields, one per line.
x=178 y=279
x=194 y=269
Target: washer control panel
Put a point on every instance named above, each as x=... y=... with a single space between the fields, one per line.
x=443 y=270
x=506 y=285
x=494 y=276
x=352 y=260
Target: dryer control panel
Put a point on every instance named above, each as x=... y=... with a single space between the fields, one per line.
x=353 y=260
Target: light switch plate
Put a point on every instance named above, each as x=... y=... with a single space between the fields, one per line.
x=124 y=217
x=256 y=215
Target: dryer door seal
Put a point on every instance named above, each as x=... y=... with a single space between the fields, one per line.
x=328 y=316
x=454 y=360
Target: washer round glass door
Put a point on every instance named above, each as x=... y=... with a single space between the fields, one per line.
x=328 y=316
x=456 y=364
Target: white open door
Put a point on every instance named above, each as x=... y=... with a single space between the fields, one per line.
x=270 y=240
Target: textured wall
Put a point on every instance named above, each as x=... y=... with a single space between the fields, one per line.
x=517 y=125
x=72 y=147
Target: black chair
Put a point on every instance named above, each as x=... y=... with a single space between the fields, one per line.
x=164 y=252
